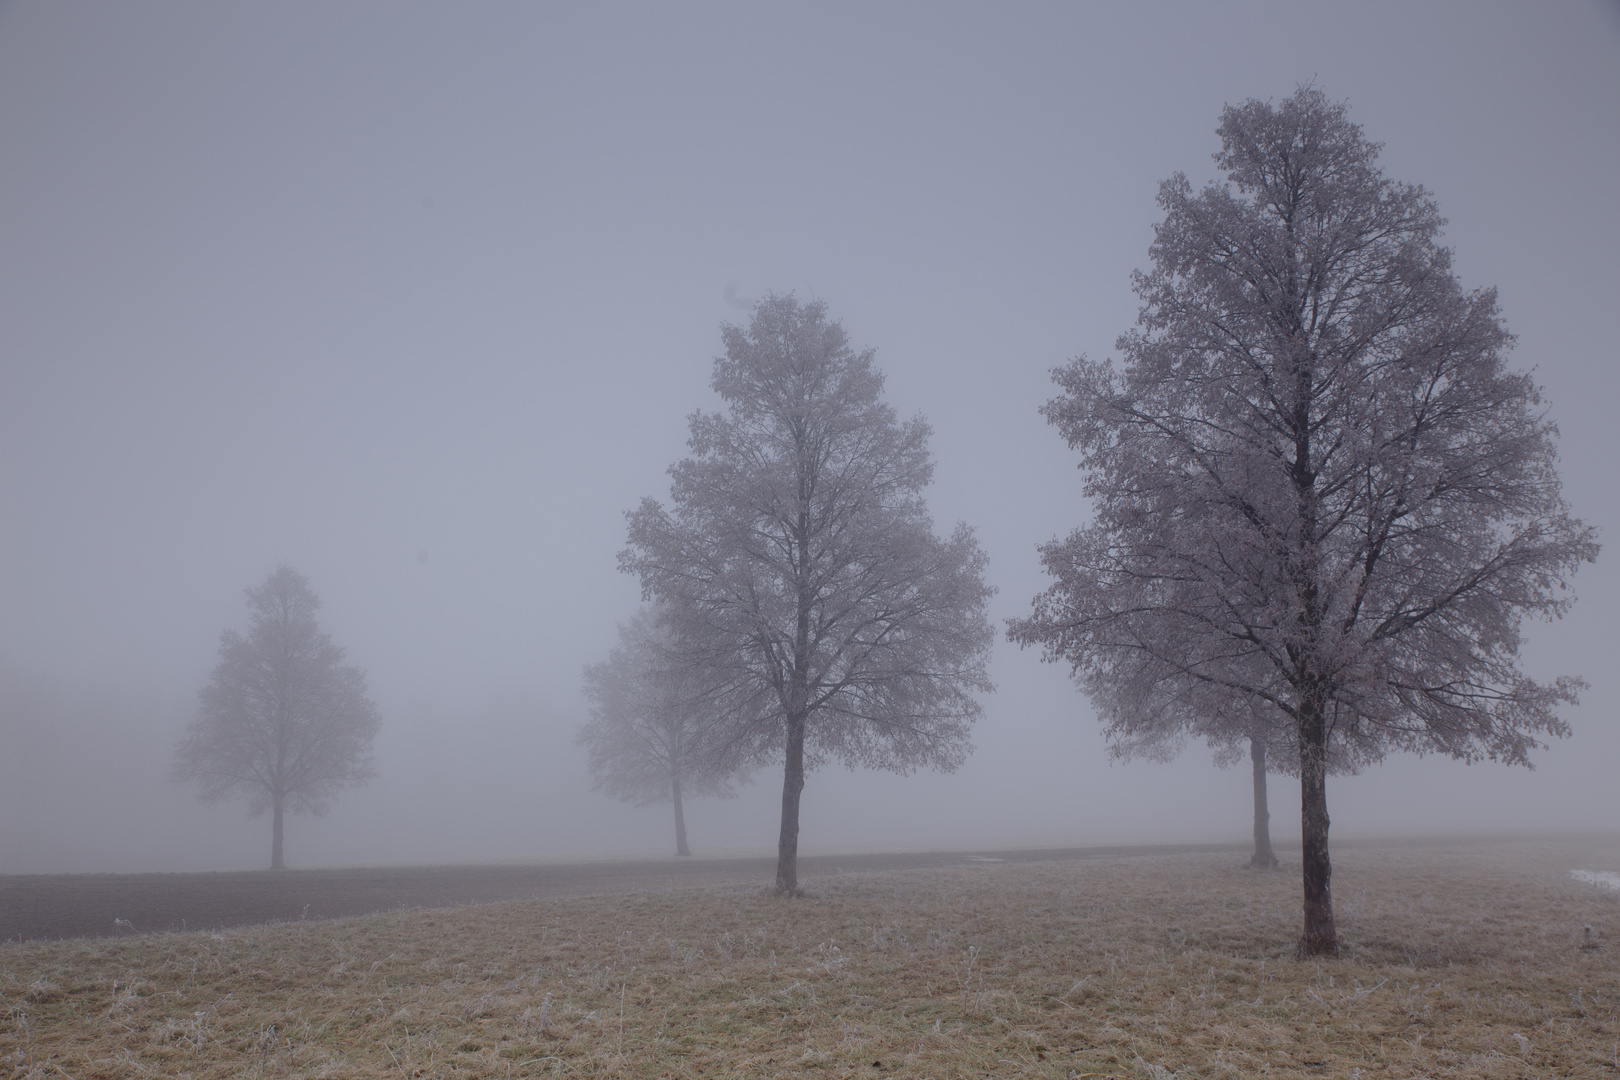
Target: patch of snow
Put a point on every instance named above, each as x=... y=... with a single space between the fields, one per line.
x=1603 y=879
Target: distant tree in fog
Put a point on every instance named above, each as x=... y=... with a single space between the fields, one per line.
x=1314 y=482
x=283 y=721
x=658 y=730
x=1247 y=727
x=804 y=566
x=1265 y=738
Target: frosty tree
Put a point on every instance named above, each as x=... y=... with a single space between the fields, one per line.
x=1248 y=727
x=804 y=565
x=1314 y=481
x=658 y=729
x=283 y=720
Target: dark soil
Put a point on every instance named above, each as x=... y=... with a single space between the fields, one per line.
x=36 y=906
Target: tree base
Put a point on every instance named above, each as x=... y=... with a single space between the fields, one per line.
x=1309 y=948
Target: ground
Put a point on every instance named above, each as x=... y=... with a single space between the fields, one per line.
x=39 y=906
x=1460 y=960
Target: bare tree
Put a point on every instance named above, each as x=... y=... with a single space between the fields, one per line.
x=283 y=720
x=1264 y=857
x=658 y=729
x=1315 y=482
x=804 y=564
x=1266 y=738
x=1249 y=728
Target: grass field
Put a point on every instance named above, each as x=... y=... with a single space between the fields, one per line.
x=1460 y=960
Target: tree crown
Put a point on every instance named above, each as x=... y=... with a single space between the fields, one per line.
x=1315 y=482
x=282 y=718
x=799 y=556
x=654 y=719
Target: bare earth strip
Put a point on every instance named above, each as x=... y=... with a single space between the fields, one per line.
x=41 y=906
x=1460 y=960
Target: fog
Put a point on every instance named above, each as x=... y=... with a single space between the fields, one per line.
x=417 y=299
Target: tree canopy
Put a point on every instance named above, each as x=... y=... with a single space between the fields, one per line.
x=658 y=731
x=1315 y=482
x=283 y=720
x=800 y=559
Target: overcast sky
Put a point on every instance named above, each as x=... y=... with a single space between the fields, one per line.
x=417 y=299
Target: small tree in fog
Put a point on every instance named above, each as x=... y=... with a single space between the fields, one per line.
x=1266 y=736
x=658 y=731
x=1314 y=483
x=1247 y=728
x=1259 y=746
x=283 y=721
x=804 y=566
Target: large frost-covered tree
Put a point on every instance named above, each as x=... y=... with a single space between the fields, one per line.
x=283 y=720
x=658 y=729
x=1315 y=483
x=804 y=565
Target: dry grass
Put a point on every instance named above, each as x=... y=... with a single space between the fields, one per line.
x=1467 y=960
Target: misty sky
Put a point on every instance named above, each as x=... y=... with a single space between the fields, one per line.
x=417 y=299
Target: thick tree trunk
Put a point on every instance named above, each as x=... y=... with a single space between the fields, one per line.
x=1321 y=937
x=1264 y=858
x=680 y=819
x=787 y=847
x=276 y=862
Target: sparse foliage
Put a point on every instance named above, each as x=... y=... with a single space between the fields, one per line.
x=283 y=720
x=803 y=563
x=1315 y=482
x=658 y=730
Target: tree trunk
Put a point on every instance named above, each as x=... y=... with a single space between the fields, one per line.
x=787 y=848
x=680 y=819
x=1264 y=858
x=796 y=713
x=1320 y=938
x=276 y=862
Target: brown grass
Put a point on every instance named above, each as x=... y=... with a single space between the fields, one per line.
x=1460 y=960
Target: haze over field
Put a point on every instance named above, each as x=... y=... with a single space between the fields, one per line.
x=417 y=300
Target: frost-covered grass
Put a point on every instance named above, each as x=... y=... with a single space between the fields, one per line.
x=1606 y=879
x=1470 y=960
